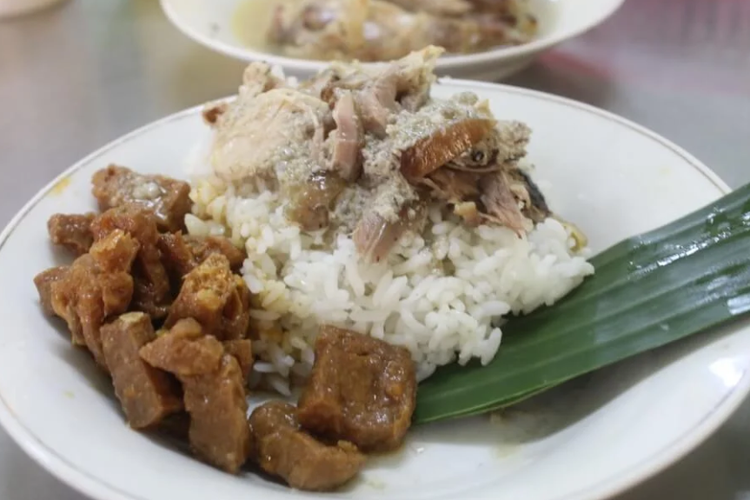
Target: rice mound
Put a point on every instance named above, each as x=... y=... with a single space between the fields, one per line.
x=442 y=294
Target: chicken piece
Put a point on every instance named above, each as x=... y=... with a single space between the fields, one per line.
x=184 y=350
x=379 y=92
x=375 y=234
x=97 y=286
x=147 y=395
x=152 y=286
x=311 y=200
x=258 y=131
x=437 y=149
x=181 y=254
x=72 y=231
x=500 y=205
x=377 y=101
x=348 y=139
x=219 y=432
x=44 y=281
x=242 y=350
x=257 y=78
x=216 y=298
x=285 y=450
x=167 y=198
x=453 y=186
x=361 y=390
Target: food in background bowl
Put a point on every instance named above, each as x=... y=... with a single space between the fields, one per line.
x=382 y=30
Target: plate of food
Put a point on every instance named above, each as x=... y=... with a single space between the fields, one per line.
x=484 y=39
x=371 y=284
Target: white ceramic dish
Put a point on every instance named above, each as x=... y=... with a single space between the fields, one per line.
x=585 y=441
x=213 y=23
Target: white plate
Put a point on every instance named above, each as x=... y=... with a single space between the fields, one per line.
x=585 y=441
x=213 y=23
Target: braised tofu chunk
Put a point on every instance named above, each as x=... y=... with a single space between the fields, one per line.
x=152 y=287
x=361 y=390
x=146 y=394
x=167 y=198
x=216 y=298
x=182 y=254
x=96 y=287
x=72 y=231
x=44 y=281
x=219 y=433
x=283 y=449
x=242 y=350
x=184 y=350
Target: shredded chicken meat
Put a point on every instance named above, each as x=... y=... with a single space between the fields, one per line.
x=364 y=150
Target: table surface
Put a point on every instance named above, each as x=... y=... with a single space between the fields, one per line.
x=76 y=76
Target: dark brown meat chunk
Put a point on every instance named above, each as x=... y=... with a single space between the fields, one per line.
x=152 y=287
x=168 y=199
x=501 y=205
x=361 y=390
x=184 y=350
x=147 y=395
x=285 y=450
x=219 y=433
x=181 y=254
x=72 y=231
x=432 y=152
x=216 y=298
x=242 y=350
x=97 y=286
x=44 y=281
x=535 y=205
x=311 y=200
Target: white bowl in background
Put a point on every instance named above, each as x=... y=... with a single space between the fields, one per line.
x=212 y=23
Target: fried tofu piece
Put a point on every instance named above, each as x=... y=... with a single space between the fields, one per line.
x=242 y=350
x=283 y=449
x=96 y=287
x=147 y=395
x=184 y=350
x=219 y=432
x=361 y=390
x=72 y=231
x=152 y=287
x=43 y=282
x=182 y=254
x=216 y=298
x=168 y=199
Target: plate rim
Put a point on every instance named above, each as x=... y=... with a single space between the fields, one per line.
x=447 y=63
x=84 y=482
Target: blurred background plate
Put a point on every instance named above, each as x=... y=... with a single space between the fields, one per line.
x=222 y=25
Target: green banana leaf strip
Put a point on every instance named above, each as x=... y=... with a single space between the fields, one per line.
x=647 y=291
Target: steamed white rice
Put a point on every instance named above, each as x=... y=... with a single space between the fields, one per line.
x=441 y=294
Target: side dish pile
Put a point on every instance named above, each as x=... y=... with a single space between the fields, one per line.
x=167 y=318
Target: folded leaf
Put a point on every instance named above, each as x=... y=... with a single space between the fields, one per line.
x=647 y=291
